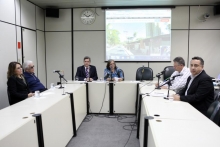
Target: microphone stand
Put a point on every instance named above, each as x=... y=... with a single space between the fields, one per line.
x=61 y=76
x=158 y=76
x=169 y=84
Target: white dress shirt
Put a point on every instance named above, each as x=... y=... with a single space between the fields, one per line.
x=179 y=82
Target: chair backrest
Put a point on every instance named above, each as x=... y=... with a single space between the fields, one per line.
x=168 y=73
x=213 y=113
x=9 y=98
x=144 y=73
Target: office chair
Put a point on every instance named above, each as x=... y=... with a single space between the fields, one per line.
x=9 y=98
x=168 y=73
x=213 y=113
x=144 y=73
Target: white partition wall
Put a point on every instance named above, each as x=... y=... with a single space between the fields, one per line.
x=28 y=18
x=14 y=15
x=30 y=47
x=41 y=57
x=58 y=55
x=7 y=11
x=8 y=53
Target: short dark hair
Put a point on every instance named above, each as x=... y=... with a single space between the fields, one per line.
x=179 y=60
x=108 y=64
x=87 y=57
x=198 y=58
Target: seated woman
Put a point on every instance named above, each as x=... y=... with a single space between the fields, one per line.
x=112 y=72
x=17 y=86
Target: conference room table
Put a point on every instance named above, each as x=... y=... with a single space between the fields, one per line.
x=168 y=123
x=57 y=117
x=53 y=118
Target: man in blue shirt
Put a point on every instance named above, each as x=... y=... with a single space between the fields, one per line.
x=32 y=81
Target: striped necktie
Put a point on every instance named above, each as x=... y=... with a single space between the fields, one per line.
x=87 y=72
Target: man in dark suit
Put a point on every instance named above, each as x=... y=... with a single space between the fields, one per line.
x=199 y=90
x=86 y=72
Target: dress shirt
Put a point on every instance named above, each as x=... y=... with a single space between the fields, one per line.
x=179 y=82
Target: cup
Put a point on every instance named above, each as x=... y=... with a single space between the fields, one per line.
x=76 y=78
x=116 y=79
x=52 y=85
x=100 y=78
x=37 y=94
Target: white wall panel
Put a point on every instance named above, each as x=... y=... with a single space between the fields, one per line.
x=40 y=18
x=41 y=57
x=29 y=47
x=7 y=55
x=179 y=47
x=58 y=55
x=7 y=11
x=63 y=23
x=99 y=23
x=205 y=43
x=180 y=18
x=19 y=51
x=18 y=12
x=28 y=14
x=197 y=13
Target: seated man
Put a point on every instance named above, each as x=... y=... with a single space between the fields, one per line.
x=32 y=81
x=86 y=72
x=199 y=90
x=179 y=82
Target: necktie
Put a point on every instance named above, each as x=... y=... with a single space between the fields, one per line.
x=87 y=72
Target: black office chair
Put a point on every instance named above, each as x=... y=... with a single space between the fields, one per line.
x=213 y=113
x=9 y=98
x=168 y=73
x=144 y=73
x=217 y=94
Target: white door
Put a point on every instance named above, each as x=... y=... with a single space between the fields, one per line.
x=29 y=47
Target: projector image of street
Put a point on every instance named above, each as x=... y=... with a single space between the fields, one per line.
x=138 y=35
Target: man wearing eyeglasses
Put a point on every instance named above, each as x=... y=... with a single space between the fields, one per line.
x=31 y=79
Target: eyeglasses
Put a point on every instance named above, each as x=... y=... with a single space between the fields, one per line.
x=32 y=67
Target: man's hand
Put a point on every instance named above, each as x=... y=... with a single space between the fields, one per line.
x=176 y=97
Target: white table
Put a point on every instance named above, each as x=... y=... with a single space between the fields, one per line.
x=178 y=124
x=55 y=110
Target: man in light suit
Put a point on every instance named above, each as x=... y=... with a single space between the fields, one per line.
x=86 y=72
x=199 y=90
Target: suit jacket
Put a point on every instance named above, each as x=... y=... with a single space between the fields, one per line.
x=81 y=74
x=17 y=89
x=200 y=93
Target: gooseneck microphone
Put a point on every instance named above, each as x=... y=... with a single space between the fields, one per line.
x=56 y=71
x=177 y=75
x=162 y=72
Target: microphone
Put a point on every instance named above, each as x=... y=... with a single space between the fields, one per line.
x=173 y=77
x=56 y=71
x=162 y=72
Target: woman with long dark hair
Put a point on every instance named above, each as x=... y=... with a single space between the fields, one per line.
x=112 y=72
x=18 y=89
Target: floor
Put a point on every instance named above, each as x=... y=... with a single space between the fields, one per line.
x=106 y=131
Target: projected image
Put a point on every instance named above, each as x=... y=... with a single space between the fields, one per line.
x=138 y=35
